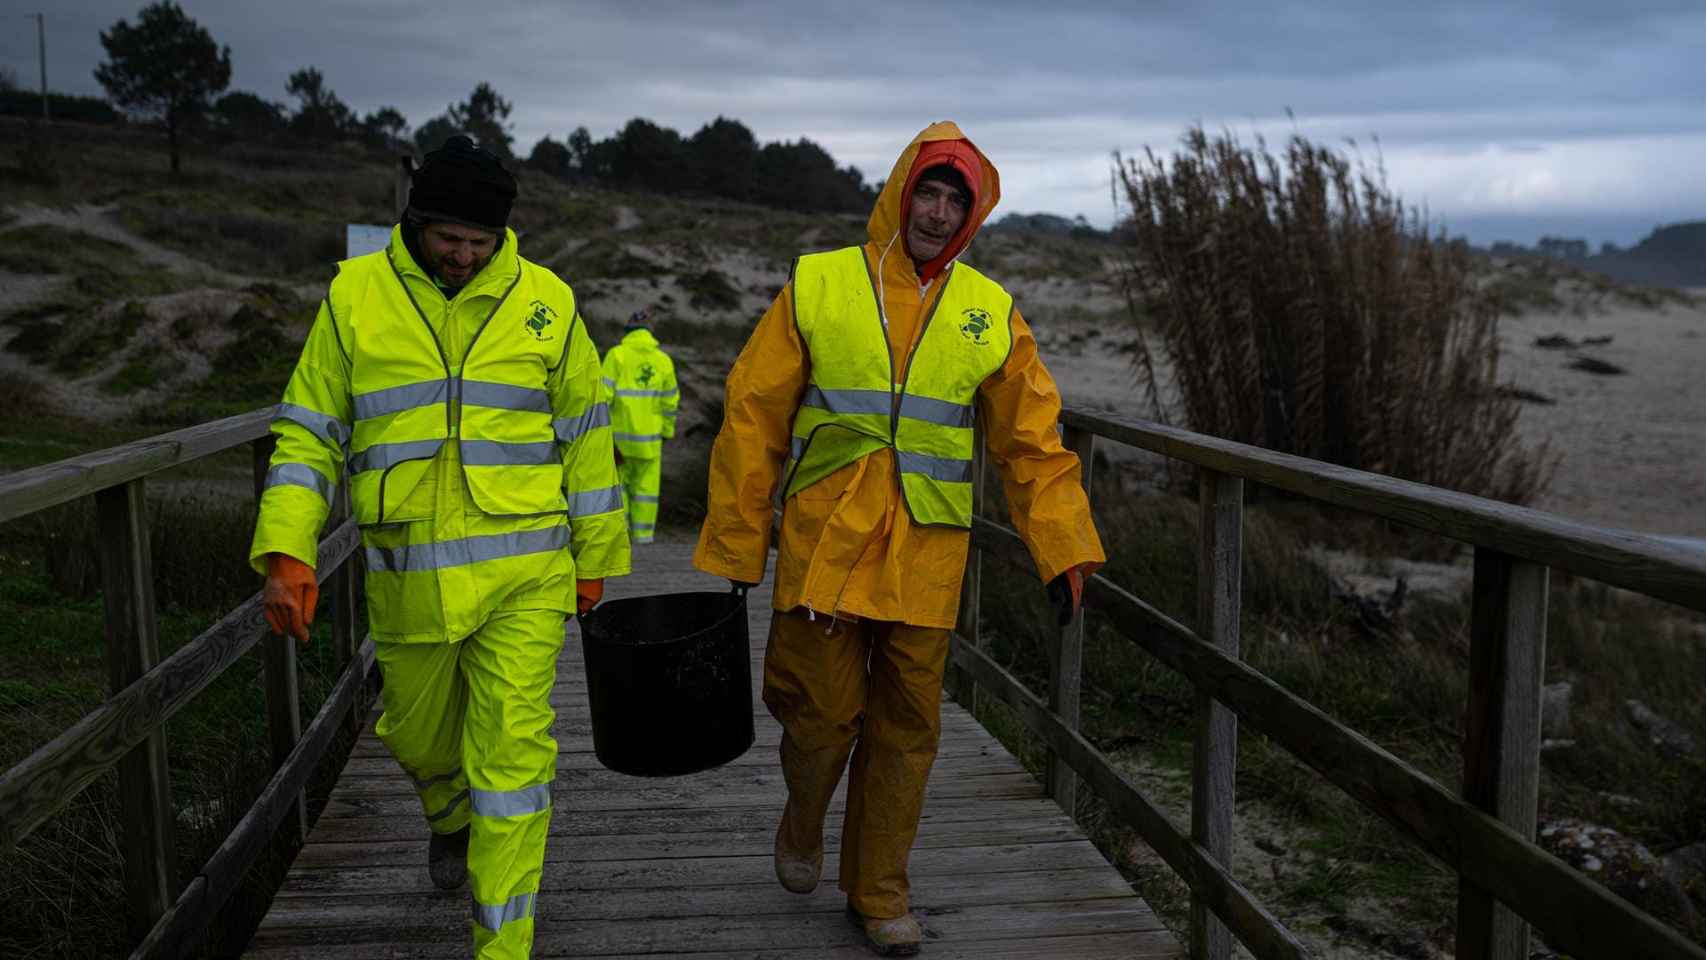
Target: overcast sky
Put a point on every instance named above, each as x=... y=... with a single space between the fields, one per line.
x=1506 y=119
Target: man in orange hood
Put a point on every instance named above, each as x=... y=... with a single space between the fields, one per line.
x=855 y=398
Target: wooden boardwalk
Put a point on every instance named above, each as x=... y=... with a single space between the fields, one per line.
x=680 y=867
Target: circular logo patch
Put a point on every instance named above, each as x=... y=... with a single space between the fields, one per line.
x=974 y=325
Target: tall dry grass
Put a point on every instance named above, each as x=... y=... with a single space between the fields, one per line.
x=1301 y=306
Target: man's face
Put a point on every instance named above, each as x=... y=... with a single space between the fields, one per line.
x=938 y=211
x=455 y=253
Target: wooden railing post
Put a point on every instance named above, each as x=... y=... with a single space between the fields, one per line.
x=961 y=686
x=133 y=647
x=284 y=715
x=343 y=584
x=1220 y=500
x=1501 y=745
x=1066 y=664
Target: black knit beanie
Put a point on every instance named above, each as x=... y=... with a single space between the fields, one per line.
x=461 y=183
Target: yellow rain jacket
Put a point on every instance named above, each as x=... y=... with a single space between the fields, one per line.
x=848 y=545
x=476 y=494
x=640 y=380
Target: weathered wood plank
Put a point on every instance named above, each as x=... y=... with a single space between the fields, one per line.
x=1208 y=880
x=959 y=686
x=224 y=871
x=1220 y=558
x=38 y=488
x=1066 y=656
x=1574 y=913
x=132 y=650
x=1501 y=746
x=31 y=791
x=1635 y=562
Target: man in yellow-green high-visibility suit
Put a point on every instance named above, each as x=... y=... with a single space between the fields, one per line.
x=639 y=380
x=454 y=384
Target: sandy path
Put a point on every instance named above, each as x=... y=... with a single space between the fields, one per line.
x=99 y=221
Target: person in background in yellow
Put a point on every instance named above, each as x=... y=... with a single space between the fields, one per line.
x=639 y=380
x=458 y=383
x=854 y=399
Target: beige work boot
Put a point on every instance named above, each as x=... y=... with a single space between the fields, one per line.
x=798 y=872
x=894 y=937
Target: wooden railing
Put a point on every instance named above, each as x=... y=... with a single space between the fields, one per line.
x=128 y=730
x=1506 y=881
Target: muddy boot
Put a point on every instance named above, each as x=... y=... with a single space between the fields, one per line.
x=798 y=872
x=896 y=937
x=447 y=859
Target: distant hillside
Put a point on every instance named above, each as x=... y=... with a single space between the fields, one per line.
x=1670 y=256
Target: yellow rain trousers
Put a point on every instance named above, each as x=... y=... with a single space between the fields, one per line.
x=639 y=382
x=467 y=606
x=850 y=551
x=641 y=482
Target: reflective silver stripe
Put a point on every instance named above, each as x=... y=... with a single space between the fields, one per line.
x=607 y=382
x=590 y=503
x=493 y=916
x=378 y=403
x=796 y=448
x=491 y=453
x=448 y=808
x=505 y=396
x=460 y=553
x=322 y=425
x=848 y=401
x=645 y=498
x=931 y=410
x=937 y=468
x=421 y=784
x=382 y=455
x=300 y=475
x=639 y=437
x=512 y=803
x=567 y=429
x=644 y=393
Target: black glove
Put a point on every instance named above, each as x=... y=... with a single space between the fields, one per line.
x=1065 y=594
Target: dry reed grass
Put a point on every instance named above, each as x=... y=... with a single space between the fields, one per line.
x=1303 y=307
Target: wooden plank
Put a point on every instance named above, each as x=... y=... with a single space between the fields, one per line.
x=740 y=896
x=1633 y=561
x=1574 y=913
x=45 y=781
x=1113 y=946
x=1501 y=747
x=223 y=872
x=565 y=872
x=1066 y=656
x=278 y=659
x=1220 y=557
x=792 y=935
x=960 y=686
x=38 y=488
x=1266 y=937
x=132 y=650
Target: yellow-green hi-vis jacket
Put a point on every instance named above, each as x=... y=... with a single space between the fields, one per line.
x=473 y=434
x=852 y=406
x=640 y=381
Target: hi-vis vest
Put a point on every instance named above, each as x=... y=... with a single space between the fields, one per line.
x=853 y=406
x=407 y=405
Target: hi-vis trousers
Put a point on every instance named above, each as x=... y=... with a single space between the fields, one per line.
x=641 y=481
x=871 y=689
x=470 y=722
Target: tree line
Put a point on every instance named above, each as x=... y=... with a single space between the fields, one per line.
x=167 y=69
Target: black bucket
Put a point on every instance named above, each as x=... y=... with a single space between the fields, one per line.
x=669 y=678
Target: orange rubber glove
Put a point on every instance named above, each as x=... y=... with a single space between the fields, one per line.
x=587 y=595
x=1066 y=591
x=291 y=594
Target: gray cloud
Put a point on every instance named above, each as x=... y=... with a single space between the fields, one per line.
x=1510 y=116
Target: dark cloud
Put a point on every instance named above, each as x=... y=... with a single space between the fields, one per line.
x=1510 y=113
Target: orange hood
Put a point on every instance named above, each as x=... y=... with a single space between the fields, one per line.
x=888 y=217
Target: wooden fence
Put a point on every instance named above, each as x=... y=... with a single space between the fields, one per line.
x=128 y=730
x=1505 y=881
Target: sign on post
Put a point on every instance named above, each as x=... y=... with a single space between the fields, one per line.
x=360 y=238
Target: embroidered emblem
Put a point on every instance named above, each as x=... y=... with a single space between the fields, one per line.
x=646 y=374
x=540 y=319
x=974 y=325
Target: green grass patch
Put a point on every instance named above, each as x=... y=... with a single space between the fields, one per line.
x=51 y=249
